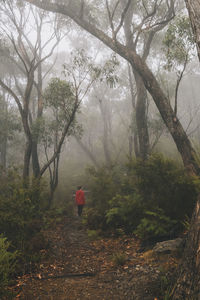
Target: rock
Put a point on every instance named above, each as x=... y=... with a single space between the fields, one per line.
x=167 y=247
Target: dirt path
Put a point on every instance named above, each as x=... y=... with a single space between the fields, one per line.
x=82 y=269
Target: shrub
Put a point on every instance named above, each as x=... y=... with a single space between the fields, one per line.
x=151 y=198
x=154 y=225
x=20 y=215
x=162 y=183
x=119 y=259
x=95 y=219
x=125 y=212
x=7 y=263
x=103 y=185
x=93 y=235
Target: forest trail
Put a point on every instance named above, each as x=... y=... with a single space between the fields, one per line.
x=78 y=268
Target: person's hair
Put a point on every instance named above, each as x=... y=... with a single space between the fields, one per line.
x=79 y=187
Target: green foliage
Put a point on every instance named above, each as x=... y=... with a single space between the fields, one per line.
x=162 y=183
x=61 y=98
x=7 y=263
x=108 y=71
x=150 y=198
x=93 y=234
x=59 y=95
x=95 y=218
x=154 y=225
x=9 y=122
x=19 y=210
x=83 y=67
x=125 y=212
x=186 y=223
x=55 y=215
x=104 y=184
x=178 y=42
x=119 y=259
x=166 y=287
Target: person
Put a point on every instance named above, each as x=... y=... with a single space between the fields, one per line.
x=80 y=200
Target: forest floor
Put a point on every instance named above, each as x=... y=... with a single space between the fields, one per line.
x=80 y=268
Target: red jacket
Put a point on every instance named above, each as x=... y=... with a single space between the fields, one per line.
x=80 y=197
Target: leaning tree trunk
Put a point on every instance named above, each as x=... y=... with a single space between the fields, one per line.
x=151 y=84
x=53 y=180
x=193 y=7
x=188 y=283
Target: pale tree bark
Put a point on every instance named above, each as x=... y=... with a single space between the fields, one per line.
x=4 y=137
x=24 y=111
x=141 y=117
x=133 y=136
x=143 y=32
x=37 y=52
x=193 y=7
x=105 y=138
x=142 y=134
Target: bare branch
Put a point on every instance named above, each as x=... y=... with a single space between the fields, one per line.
x=110 y=17
x=122 y=18
x=10 y=91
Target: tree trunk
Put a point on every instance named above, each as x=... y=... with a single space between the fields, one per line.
x=88 y=152
x=193 y=7
x=133 y=137
x=141 y=118
x=188 y=283
x=105 y=138
x=150 y=82
x=35 y=159
x=53 y=180
x=191 y=265
x=28 y=147
x=4 y=139
x=3 y=152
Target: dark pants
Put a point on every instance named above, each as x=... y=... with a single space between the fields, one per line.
x=80 y=210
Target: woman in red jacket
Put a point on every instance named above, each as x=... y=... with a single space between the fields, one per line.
x=80 y=200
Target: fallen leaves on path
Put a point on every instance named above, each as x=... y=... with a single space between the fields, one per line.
x=78 y=268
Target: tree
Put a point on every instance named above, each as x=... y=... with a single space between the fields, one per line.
x=179 y=46
x=188 y=282
x=9 y=125
x=141 y=36
x=81 y=14
x=64 y=103
x=27 y=58
x=193 y=7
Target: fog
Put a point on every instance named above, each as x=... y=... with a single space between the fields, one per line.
x=90 y=115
